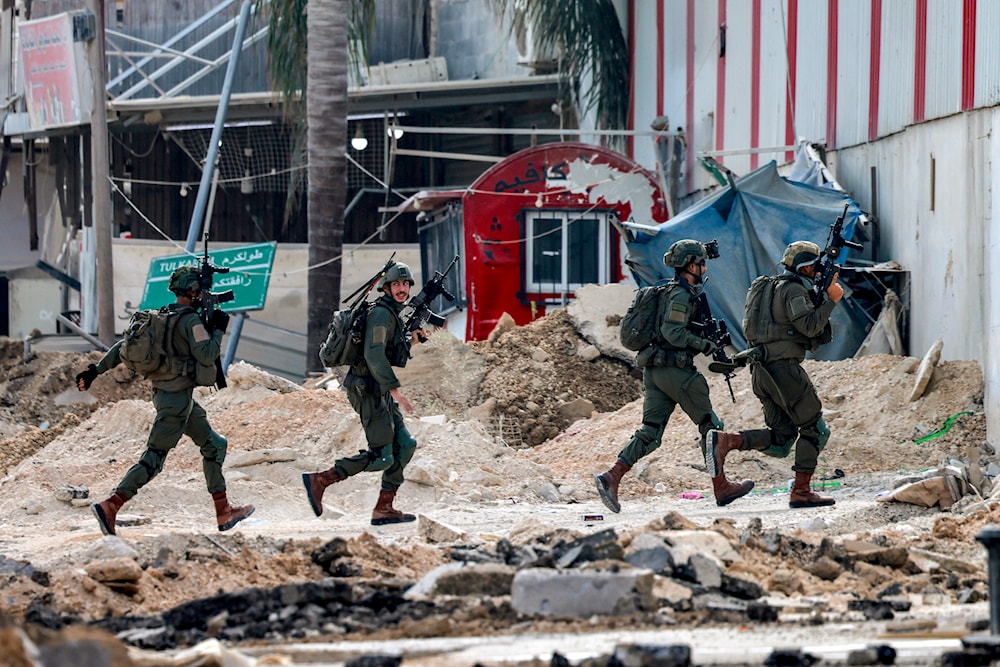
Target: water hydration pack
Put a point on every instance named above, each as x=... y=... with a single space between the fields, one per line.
x=148 y=340
x=342 y=346
x=640 y=327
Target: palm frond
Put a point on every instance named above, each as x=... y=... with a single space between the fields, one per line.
x=587 y=35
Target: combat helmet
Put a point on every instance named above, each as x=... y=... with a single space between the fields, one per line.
x=397 y=271
x=800 y=254
x=183 y=279
x=683 y=252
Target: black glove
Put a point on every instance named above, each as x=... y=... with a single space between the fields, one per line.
x=87 y=377
x=219 y=320
x=707 y=346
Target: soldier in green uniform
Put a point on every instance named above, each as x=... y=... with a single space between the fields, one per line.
x=373 y=391
x=670 y=378
x=177 y=413
x=790 y=325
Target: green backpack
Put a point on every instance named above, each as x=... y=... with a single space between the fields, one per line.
x=148 y=340
x=640 y=327
x=345 y=337
x=758 y=323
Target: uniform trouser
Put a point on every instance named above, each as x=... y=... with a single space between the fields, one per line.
x=177 y=414
x=792 y=413
x=665 y=388
x=390 y=445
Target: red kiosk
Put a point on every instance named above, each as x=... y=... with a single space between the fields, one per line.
x=539 y=225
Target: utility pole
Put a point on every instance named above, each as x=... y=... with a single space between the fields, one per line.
x=101 y=193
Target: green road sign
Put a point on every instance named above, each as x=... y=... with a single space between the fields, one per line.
x=249 y=274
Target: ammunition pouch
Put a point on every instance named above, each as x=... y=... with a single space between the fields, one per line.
x=204 y=376
x=655 y=357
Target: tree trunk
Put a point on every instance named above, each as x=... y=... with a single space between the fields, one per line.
x=326 y=85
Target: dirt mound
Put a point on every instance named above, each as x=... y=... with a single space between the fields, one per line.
x=39 y=399
x=534 y=372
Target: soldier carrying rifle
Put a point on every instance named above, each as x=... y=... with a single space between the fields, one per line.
x=669 y=375
x=374 y=391
x=785 y=317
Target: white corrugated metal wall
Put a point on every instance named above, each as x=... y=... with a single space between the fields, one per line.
x=774 y=72
x=895 y=109
x=738 y=77
x=853 y=58
x=944 y=67
x=810 y=79
x=934 y=178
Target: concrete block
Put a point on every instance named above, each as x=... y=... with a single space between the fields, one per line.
x=547 y=592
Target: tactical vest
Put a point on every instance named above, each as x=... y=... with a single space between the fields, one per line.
x=397 y=345
x=176 y=365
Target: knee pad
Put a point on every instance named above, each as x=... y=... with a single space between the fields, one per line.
x=220 y=445
x=379 y=459
x=407 y=445
x=822 y=434
x=152 y=460
x=650 y=433
x=779 y=450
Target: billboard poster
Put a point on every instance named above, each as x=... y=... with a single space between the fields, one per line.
x=51 y=85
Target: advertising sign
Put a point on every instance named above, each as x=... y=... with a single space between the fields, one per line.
x=51 y=84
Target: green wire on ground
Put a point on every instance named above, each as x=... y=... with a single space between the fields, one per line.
x=944 y=428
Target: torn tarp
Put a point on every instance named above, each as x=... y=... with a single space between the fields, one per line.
x=753 y=223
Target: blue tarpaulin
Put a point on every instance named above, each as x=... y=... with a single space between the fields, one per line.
x=754 y=219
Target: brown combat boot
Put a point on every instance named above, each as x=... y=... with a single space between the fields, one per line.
x=607 y=485
x=803 y=496
x=384 y=512
x=316 y=483
x=107 y=510
x=726 y=491
x=228 y=515
x=717 y=445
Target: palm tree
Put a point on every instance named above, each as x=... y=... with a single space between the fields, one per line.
x=592 y=52
x=315 y=79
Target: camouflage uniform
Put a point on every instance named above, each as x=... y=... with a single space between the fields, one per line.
x=669 y=376
x=792 y=409
x=782 y=331
x=177 y=413
x=192 y=355
x=368 y=383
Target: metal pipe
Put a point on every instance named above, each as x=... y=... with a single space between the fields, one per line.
x=234 y=340
x=71 y=325
x=194 y=231
x=989 y=536
x=170 y=42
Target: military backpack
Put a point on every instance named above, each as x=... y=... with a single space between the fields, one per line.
x=640 y=327
x=758 y=321
x=148 y=340
x=345 y=338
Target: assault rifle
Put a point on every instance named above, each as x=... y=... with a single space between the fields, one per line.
x=826 y=267
x=717 y=331
x=421 y=303
x=211 y=301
